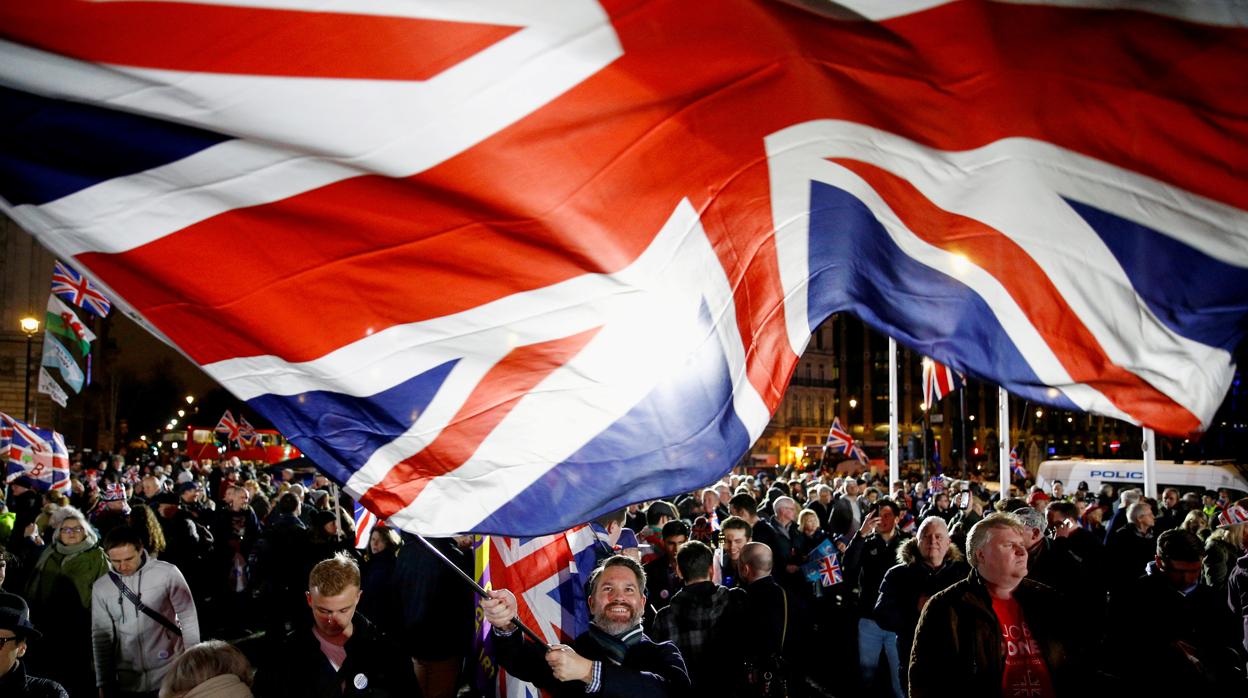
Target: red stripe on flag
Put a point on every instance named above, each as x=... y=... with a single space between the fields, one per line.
x=493 y=399
x=1070 y=340
x=247 y=40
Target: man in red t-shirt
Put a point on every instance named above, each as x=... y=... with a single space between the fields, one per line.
x=994 y=633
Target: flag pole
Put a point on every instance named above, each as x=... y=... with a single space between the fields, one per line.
x=477 y=587
x=923 y=437
x=1003 y=440
x=1149 y=442
x=962 y=420
x=894 y=464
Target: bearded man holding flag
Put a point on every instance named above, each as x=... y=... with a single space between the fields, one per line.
x=613 y=658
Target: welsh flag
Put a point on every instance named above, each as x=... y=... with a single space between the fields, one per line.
x=62 y=321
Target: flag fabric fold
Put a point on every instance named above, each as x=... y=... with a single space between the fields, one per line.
x=581 y=248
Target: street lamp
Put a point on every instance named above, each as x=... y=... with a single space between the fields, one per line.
x=30 y=327
x=190 y=399
x=853 y=402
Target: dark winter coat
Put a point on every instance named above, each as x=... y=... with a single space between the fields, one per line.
x=907 y=587
x=866 y=561
x=375 y=667
x=650 y=669
x=958 y=650
x=16 y=684
x=1237 y=594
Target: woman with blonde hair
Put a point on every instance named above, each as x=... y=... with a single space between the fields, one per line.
x=212 y=669
x=59 y=593
x=1225 y=545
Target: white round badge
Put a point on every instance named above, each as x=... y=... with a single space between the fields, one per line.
x=360 y=681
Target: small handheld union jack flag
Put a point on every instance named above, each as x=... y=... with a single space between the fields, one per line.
x=839 y=438
x=247 y=435
x=1016 y=465
x=75 y=288
x=228 y=428
x=823 y=565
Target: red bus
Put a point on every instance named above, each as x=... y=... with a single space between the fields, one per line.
x=270 y=447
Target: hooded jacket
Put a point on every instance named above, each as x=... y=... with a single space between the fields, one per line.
x=132 y=651
x=911 y=582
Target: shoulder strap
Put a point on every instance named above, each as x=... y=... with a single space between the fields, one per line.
x=143 y=608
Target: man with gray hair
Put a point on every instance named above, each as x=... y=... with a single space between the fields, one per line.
x=995 y=633
x=1119 y=520
x=1132 y=547
x=779 y=532
x=927 y=564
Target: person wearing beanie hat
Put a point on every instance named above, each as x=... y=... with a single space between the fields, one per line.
x=16 y=631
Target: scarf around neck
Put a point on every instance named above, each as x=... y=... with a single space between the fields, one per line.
x=616 y=646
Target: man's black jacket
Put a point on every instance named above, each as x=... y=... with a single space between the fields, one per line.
x=374 y=667
x=650 y=669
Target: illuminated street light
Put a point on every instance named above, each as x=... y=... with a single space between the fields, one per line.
x=853 y=402
x=173 y=422
x=190 y=399
x=971 y=418
x=30 y=327
x=1039 y=414
x=923 y=406
x=181 y=413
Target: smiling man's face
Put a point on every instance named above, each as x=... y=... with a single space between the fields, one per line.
x=617 y=602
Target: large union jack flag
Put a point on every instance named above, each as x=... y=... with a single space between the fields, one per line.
x=78 y=289
x=39 y=455
x=503 y=266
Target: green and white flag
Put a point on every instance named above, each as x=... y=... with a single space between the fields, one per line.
x=63 y=322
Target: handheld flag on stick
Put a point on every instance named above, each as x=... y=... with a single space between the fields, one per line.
x=823 y=565
x=1016 y=465
x=228 y=428
x=247 y=435
x=841 y=440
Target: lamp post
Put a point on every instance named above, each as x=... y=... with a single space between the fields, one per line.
x=30 y=327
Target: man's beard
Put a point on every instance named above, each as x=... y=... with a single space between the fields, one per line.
x=612 y=627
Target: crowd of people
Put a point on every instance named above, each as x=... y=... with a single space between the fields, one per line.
x=229 y=579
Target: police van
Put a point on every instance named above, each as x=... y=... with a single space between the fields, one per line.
x=1186 y=477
